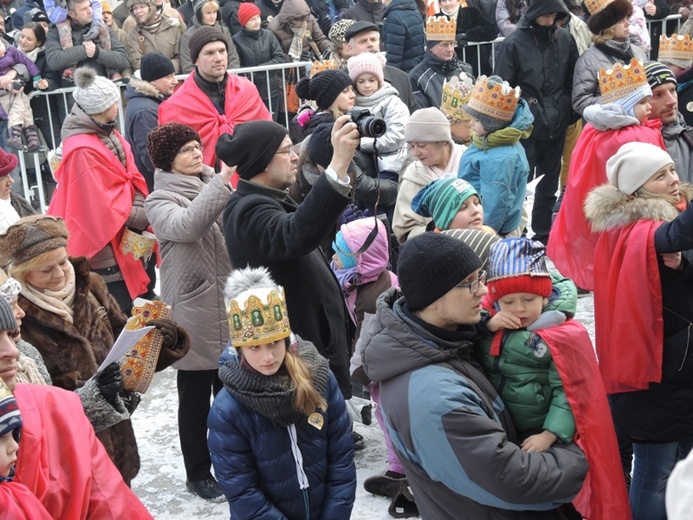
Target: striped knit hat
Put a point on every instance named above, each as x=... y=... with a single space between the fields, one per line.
x=442 y=199
x=518 y=265
x=10 y=418
x=480 y=241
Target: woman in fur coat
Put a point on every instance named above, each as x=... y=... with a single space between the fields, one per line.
x=643 y=305
x=73 y=321
x=279 y=432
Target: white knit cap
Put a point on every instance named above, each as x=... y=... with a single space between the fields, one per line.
x=94 y=94
x=679 y=495
x=634 y=164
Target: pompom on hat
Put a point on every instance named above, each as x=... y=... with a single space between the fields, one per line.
x=634 y=164
x=256 y=308
x=427 y=125
x=364 y=63
x=518 y=265
x=324 y=87
x=442 y=199
x=246 y=11
x=165 y=141
x=430 y=265
x=201 y=37
x=252 y=146
x=32 y=236
x=320 y=149
x=8 y=162
x=94 y=94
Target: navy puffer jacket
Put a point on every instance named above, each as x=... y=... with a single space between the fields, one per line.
x=404 y=32
x=255 y=467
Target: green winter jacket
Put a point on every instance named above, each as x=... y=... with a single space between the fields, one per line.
x=525 y=375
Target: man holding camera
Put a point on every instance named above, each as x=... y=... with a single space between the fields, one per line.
x=263 y=226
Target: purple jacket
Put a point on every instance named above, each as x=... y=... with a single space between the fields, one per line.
x=13 y=57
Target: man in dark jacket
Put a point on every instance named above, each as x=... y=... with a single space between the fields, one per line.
x=264 y=227
x=451 y=431
x=365 y=11
x=144 y=96
x=403 y=29
x=365 y=37
x=540 y=57
x=440 y=63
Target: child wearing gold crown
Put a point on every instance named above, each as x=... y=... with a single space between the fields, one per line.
x=495 y=163
x=622 y=118
x=279 y=432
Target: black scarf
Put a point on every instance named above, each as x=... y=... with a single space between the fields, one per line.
x=272 y=396
x=622 y=56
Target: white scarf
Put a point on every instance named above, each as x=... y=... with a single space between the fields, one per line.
x=58 y=302
x=296 y=48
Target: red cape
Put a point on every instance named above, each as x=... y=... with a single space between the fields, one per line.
x=18 y=503
x=94 y=197
x=190 y=106
x=628 y=307
x=63 y=463
x=571 y=242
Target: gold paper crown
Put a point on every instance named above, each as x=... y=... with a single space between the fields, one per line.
x=440 y=29
x=456 y=93
x=677 y=47
x=622 y=80
x=258 y=322
x=594 y=6
x=492 y=102
x=321 y=65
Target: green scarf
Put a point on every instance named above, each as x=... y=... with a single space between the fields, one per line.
x=504 y=137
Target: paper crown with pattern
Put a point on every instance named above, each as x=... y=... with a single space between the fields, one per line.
x=258 y=318
x=622 y=80
x=322 y=65
x=594 y=6
x=676 y=47
x=456 y=93
x=493 y=101
x=440 y=29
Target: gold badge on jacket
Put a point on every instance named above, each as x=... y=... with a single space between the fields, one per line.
x=316 y=420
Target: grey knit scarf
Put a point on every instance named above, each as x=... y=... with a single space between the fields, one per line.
x=272 y=396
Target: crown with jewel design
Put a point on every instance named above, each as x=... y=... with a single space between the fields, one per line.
x=594 y=6
x=621 y=81
x=261 y=318
x=676 y=47
x=498 y=102
x=322 y=65
x=440 y=29
x=456 y=93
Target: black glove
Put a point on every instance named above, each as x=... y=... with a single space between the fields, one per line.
x=110 y=383
x=168 y=330
x=461 y=40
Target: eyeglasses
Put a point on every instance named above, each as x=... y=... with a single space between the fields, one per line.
x=288 y=152
x=473 y=286
x=192 y=149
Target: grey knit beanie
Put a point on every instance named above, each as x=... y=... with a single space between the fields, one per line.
x=6 y=317
x=432 y=264
x=427 y=125
x=94 y=94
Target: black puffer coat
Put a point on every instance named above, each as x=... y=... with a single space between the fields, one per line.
x=260 y=48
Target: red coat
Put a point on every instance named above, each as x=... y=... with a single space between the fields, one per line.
x=190 y=106
x=94 y=196
x=64 y=465
x=18 y=503
x=571 y=243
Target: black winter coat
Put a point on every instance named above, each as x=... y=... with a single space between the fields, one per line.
x=364 y=11
x=268 y=11
x=260 y=48
x=428 y=77
x=264 y=227
x=543 y=68
x=686 y=95
x=399 y=79
x=404 y=33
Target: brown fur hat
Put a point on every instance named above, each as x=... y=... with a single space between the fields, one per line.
x=613 y=13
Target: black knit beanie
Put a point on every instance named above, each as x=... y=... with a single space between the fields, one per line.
x=324 y=87
x=251 y=147
x=6 y=317
x=430 y=265
x=320 y=148
x=202 y=37
x=165 y=141
x=155 y=65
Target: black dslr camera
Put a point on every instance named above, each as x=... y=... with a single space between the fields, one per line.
x=367 y=124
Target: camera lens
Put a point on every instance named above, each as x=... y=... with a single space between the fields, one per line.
x=374 y=127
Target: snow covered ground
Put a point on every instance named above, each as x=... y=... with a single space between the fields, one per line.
x=161 y=481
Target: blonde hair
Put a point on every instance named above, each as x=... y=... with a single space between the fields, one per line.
x=603 y=36
x=206 y=7
x=306 y=398
x=20 y=271
x=334 y=110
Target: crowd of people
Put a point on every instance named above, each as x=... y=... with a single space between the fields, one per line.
x=381 y=245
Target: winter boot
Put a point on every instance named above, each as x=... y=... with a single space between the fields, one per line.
x=33 y=144
x=15 y=138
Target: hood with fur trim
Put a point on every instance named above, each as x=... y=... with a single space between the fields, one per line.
x=608 y=208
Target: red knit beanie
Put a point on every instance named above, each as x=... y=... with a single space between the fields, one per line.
x=540 y=285
x=8 y=162
x=246 y=11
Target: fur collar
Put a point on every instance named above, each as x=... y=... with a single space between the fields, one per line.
x=607 y=208
x=145 y=88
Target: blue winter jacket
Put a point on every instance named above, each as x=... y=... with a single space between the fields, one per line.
x=500 y=173
x=255 y=467
x=404 y=34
